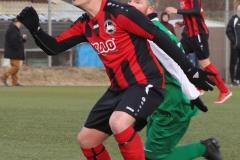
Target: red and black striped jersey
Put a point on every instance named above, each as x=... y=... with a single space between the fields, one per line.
x=192 y=11
x=119 y=34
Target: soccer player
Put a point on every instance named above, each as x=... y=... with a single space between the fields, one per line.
x=118 y=32
x=169 y=122
x=197 y=40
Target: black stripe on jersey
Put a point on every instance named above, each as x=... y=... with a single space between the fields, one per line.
x=199 y=24
x=88 y=31
x=112 y=76
x=143 y=58
x=96 y=27
x=107 y=16
x=128 y=73
x=192 y=26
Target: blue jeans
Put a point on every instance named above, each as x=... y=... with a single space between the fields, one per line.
x=192 y=57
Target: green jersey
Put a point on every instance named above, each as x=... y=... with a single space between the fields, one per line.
x=170 y=121
x=175 y=107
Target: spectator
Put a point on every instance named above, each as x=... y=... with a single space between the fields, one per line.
x=164 y=20
x=13 y=50
x=233 y=34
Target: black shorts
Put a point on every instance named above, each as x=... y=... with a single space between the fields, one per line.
x=196 y=44
x=138 y=101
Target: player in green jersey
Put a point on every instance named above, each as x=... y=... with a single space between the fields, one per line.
x=167 y=125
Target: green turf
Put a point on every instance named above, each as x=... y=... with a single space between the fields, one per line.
x=42 y=123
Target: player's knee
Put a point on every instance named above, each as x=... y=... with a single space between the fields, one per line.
x=90 y=138
x=85 y=141
x=119 y=121
x=115 y=124
x=82 y=141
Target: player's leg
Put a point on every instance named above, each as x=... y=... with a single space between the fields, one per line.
x=97 y=129
x=208 y=148
x=201 y=48
x=161 y=139
x=129 y=141
x=92 y=146
x=130 y=116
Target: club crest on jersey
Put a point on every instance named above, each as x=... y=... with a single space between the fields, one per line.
x=109 y=26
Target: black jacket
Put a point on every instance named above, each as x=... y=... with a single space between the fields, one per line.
x=14 y=47
x=233 y=31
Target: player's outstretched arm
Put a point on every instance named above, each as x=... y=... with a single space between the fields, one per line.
x=195 y=10
x=188 y=89
x=135 y=22
x=50 y=45
x=196 y=76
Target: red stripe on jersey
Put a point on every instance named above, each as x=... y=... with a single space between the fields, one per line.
x=134 y=28
x=75 y=30
x=195 y=23
x=188 y=24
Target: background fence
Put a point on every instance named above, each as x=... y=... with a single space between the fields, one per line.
x=218 y=44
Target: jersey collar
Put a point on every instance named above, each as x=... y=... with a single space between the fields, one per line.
x=152 y=16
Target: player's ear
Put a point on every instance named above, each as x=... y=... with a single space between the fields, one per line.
x=151 y=9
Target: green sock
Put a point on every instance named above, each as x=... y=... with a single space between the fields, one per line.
x=188 y=152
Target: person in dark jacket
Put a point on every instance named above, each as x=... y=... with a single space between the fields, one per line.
x=233 y=34
x=13 y=50
x=164 y=20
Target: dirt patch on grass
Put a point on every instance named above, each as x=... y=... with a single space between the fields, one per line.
x=60 y=76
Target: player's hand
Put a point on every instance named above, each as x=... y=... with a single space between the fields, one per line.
x=199 y=104
x=29 y=18
x=179 y=24
x=170 y=10
x=200 y=79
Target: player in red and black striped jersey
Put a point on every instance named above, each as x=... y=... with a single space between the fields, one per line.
x=118 y=33
x=197 y=40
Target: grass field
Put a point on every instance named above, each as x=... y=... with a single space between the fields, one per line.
x=42 y=123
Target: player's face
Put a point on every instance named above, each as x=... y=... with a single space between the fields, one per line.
x=141 y=5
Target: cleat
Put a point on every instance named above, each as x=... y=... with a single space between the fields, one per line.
x=201 y=92
x=4 y=81
x=223 y=97
x=212 y=151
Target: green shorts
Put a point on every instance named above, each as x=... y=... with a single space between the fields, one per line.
x=162 y=139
